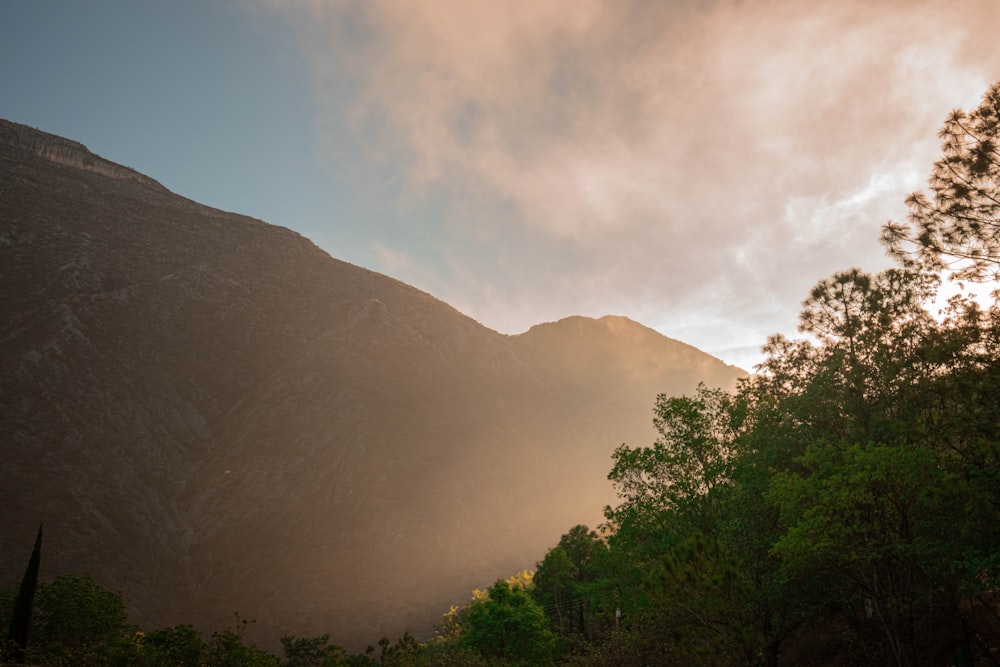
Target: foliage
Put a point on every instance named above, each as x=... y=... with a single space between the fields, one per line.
x=555 y=578
x=226 y=648
x=509 y=626
x=688 y=462
x=178 y=646
x=455 y=622
x=77 y=620
x=574 y=586
x=311 y=651
x=957 y=228
x=852 y=482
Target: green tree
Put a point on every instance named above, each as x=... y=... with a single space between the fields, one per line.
x=555 y=577
x=685 y=528
x=455 y=622
x=678 y=476
x=509 y=626
x=767 y=606
x=20 y=622
x=226 y=648
x=311 y=651
x=573 y=584
x=177 y=646
x=870 y=332
x=77 y=620
x=884 y=410
x=957 y=228
x=864 y=513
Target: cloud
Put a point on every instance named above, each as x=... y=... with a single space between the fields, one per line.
x=701 y=160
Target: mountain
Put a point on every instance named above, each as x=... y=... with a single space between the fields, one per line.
x=211 y=414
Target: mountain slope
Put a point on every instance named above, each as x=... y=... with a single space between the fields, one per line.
x=211 y=414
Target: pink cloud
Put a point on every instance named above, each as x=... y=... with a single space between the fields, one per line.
x=655 y=134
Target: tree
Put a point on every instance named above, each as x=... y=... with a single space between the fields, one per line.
x=78 y=619
x=20 y=622
x=573 y=586
x=510 y=626
x=227 y=648
x=455 y=622
x=554 y=579
x=866 y=514
x=685 y=465
x=891 y=416
x=311 y=652
x=177 y=646
x=957 y=228
x=698 y=540
x=870 y=332
x=793 y=460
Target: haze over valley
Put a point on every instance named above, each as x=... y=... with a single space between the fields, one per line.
x=211 y=414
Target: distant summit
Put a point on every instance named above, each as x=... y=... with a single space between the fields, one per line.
x=211 y=414
x=626 y=345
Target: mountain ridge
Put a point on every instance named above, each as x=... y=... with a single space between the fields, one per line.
x=67 y=152
x=211 y=414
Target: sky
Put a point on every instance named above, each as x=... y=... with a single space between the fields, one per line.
x=695 y=165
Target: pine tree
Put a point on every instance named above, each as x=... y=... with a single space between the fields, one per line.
x=20 y=622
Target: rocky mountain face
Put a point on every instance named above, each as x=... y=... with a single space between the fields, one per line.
x=211 y=414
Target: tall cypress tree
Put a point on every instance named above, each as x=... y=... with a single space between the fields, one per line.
x=20 y=622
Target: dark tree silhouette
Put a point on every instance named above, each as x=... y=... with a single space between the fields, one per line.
x=20 y=622
x=957 y=227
